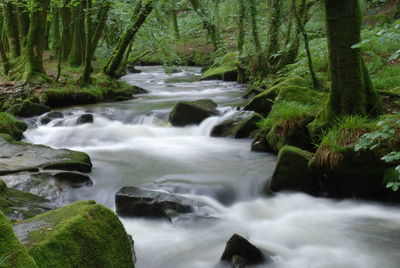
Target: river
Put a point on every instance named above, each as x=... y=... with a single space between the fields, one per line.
x=131 y=144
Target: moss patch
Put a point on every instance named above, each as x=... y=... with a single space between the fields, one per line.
x=14 y=253
x=11 y=126
x=224 y=68
x=83 y=234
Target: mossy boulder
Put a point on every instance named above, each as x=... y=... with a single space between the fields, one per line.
x=192 y=112
x=138 y=90
x=292 y=172
x=14 y=254
x=11 y=126
x=28 y=108
x=83 y=234
x=224 y=68
x=67 y=97
x=241 y=125
x=18 y=205
x=19 y=156
x=347 y=173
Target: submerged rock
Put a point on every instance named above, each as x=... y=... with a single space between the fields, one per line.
x=136 y=202
x=17 y=156
x=83 y=234
x=14 y=253
x=243 y=251
x=138 y=90
x=192 y=112
x=241 y=125
x=48 y=117
x=85 y=119
x=18 y=205
x=292 y=173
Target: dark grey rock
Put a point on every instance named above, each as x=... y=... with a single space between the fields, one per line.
x=192 y=112
x=85 y=119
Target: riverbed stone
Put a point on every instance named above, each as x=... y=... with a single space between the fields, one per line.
x=85 y=119
x=28 y=108
x=192 y=112
x=241 y=125
x=138 y=90
x=243 y=249
x=83 y=234
x=18 y=156
x=292 y=172
x=48 y=117
x=16 y=254
x=18 y=205
x=136 y=202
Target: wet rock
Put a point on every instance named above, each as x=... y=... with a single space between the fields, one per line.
x=132 y=69
x=73 y=179
x=136 y=202
x=16 y=254
x=89 y=232
x=16 y=157
x=192 y=112
x=238 y=262
x=292 y=172
x=240 y=125
x=260 y=144
x=85 y=119
x=48 y=117
x=245 y=252
x=138 y=90
x=28 y=109
x=18 y=205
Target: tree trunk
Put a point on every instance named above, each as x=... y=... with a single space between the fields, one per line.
x=273 y=34
x=174 y=17
x=23 y=24
x=55 y=30
x=4 y=59
x=254 y=27
x=76 y=55
x=66 y=30
x=11 y=27
x=352 y=92
x=241 y=32
x=301 y=26
x=33 y=53
x=129 y=34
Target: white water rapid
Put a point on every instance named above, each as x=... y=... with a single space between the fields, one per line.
x=131 y=144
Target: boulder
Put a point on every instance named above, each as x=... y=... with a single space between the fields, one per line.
x=138 y=90
x=192 y=112
x=18 y=156
x=292 y=173
x=224 y=68
x=28 y=109
x=241 y=125
x=136 y=202
x=244 y=250
x=18 y=205
x=85 y=119
x=48 y=117
x=83 y=234
x=14 y=253
x=11 y=126
x=259 y=143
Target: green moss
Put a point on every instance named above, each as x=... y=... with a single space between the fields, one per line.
x=224 y=68
x=11 y=249
x=83 y=234
x=77 y=161
x=28 y=108
x=292 y=173
x=11 y=126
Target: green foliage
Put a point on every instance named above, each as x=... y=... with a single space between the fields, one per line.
x=11 y=126
x=385 y=140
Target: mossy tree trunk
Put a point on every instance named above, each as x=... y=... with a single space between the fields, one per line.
x=77 y=53
x=274 y=26
x=4 y=59
x=352 y=92
x=33 y=52
x=93 y=32
x=254 y=26
x=140 y=15
x=11 y=27
x=55 y=30
x=241 y=40
x=300 y=24
x=397 y=12
x=174 y=17
x=66 y=30
x=23 y=23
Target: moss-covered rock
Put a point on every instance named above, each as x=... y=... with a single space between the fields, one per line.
x=12 y=252
x=292 y=173
x=28 y=108
x=192 y=112
x=11 y=126
x=67 y=97
x=83 y=234
x=224 y=68
x=241 y=125
x=18 y=205
x=19 y=156
x=292 y=89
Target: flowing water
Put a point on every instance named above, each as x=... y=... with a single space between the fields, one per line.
x=131 y=144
